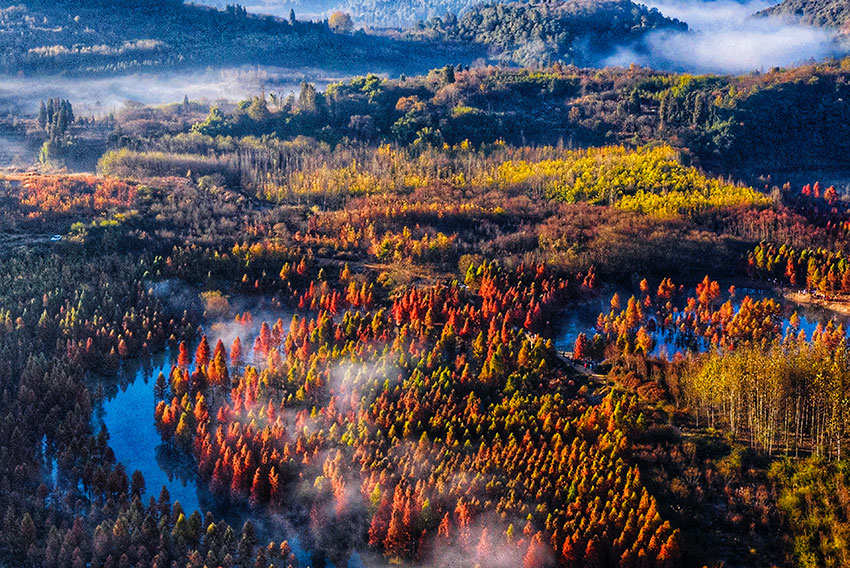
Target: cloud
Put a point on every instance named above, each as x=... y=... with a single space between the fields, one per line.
x=724 y=38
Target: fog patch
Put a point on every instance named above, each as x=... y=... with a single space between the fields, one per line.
x=473 y=547
x=725 y=38
x=314 y=10
x=105 y=95
x=175 y=295
x=14 y=151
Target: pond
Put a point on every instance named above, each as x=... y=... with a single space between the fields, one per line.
x=581 y=317
x=127 y=413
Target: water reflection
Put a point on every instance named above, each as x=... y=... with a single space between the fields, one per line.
x=582 y=318
x=127 y=412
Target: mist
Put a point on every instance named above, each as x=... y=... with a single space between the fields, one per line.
x=14 y=150
x=314 y=10
x=725 y=38
x=101 y=96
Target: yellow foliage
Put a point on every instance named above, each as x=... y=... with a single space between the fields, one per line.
x=650 y=180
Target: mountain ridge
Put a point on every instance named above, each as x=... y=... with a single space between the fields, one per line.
x=819 y=13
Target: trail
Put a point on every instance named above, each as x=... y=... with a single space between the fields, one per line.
x=596 y=383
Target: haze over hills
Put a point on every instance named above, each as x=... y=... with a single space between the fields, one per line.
x=107 y=38
x=725 y=37
x=407 y=13
x=721 y=35
x=376 y=13
x=71 y=36
x=534 y=32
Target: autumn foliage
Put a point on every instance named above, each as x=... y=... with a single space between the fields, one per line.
x=489 y=448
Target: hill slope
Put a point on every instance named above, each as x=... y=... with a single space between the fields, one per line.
x=377 y=13
x=821 y=13
x=76 y=36
x=535 y=32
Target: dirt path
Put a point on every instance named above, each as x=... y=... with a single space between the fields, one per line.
x=597 y=383
x=838 y=306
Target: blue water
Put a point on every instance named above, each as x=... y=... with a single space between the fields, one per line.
x=581 y=318
x=127 y=413
x=128 y=417
x=128 y=409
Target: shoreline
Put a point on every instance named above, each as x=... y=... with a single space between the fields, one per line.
x=839 y=307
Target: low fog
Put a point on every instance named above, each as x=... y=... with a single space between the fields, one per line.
x=315 y=10
x=725 y=38
x=101 y=96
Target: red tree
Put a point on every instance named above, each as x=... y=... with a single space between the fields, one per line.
x=202 y=355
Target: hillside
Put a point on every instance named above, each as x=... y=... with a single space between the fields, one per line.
x=785 y=120
x=821 y=13
x=375 y=13
x=537 y=32
x=403 y=13
x=72 y=36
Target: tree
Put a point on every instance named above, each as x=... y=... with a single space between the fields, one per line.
x=214 y=125
x=258 y=110
x=218 y=374
x=160 y=386
x=137 y=487
x=183 y=434
x=236 y=353
x=183 y=356
x=644 y=341
x=448 y=74
x=308 y=98
x=580 y=348
x=247 y=542
x=380 y=523
x=670 y=553
x=484 y=549
x=538 y=554
x=259 y=488
x=615 y=302
x=340 y=22
x=27 y=533
x=396 y=541
x=42 y=115
x=202 y=354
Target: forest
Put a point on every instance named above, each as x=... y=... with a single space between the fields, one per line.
x=96 y=38
x=759 y=126
x=822 y=13
x=101 y=38
x=530 y=33
x=528 y=314
x=402 y=399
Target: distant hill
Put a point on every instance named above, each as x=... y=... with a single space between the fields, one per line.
x=821 y=13
x=375 y=13
x=535 y=32
x=100 y=36
x=403 y=13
